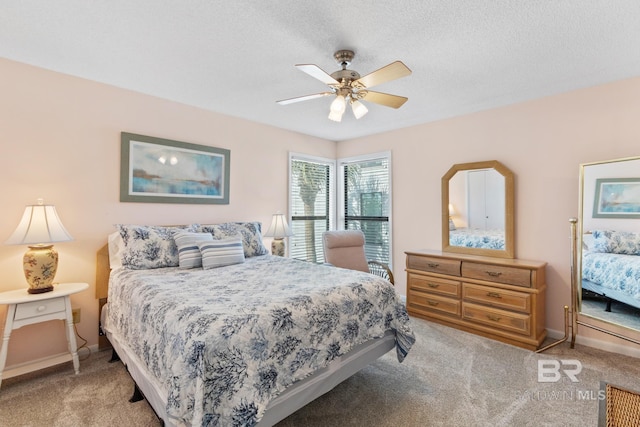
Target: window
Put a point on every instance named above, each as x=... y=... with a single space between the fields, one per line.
x=366 y=202
x=312 y=201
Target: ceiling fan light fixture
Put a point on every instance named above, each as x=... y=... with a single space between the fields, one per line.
x=336 y=117
x=338 y=105
x=358 y=109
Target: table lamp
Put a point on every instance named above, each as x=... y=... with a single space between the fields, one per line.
x=279 y=229
x=39 y=227
x=452 y=212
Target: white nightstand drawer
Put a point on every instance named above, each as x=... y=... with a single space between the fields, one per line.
x=39 y=308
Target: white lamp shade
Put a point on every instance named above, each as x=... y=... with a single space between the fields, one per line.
x=39 y=224
x=279 y=227
x=336 y=117
x=359 y=109
x=338 y=105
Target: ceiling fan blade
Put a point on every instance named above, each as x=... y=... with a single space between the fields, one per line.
x=393 y=101
x=303 y=98
x=318 y=73
x=393 y=71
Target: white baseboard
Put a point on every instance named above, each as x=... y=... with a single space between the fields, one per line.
x=36 y=365
x=628 y=350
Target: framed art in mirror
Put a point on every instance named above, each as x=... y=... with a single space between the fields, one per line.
x=478 y=209
x=156 y=170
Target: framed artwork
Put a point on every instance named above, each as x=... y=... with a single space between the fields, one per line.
x=156 y=170
x=617 y=198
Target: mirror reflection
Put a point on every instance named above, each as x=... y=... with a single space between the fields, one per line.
x=610 y=241
x=478 y=209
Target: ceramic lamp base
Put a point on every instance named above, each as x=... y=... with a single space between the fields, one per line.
x=40 y=264
x=277 y=247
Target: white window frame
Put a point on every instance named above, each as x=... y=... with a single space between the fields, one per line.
x=340 y=193
x=332 y=185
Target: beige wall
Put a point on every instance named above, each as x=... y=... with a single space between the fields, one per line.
x=543 y=142
x=60 y=140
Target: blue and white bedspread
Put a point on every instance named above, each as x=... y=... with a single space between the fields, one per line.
x=224 y=342
x=613 y=271
x=475 y=238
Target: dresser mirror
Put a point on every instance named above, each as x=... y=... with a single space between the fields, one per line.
x=477 y=209
x=608 y=245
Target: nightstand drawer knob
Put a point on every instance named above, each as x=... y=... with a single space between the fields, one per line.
x=41 y=308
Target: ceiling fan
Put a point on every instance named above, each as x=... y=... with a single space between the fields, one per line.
x=348 y=86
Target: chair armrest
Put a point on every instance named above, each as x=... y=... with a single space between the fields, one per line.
x=381 y=269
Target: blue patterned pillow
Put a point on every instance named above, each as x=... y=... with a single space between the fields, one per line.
x=616 y=242
x=218 y=253
x=149 y=246
x=250 y=231
x=189 y=255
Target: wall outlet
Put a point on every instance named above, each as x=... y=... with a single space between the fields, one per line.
x=76 y=315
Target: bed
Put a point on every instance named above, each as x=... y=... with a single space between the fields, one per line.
x=611 y=266
x=477 y=238
x=245 y=342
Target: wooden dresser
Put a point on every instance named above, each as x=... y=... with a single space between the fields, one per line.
x=498 y=298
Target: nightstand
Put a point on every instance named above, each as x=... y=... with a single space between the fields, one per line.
x=27 y=309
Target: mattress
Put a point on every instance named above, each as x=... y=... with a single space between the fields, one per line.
x=223 y=344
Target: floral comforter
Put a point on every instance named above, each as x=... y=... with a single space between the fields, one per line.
x=613 y=271
x=224 y=342
x=475 y=238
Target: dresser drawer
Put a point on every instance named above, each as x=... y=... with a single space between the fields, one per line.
x=496 y=318
x=501 y=298
x=497 y=273
x=435 y=303
x=434 y=285
x=450 y=267
x=39 y=308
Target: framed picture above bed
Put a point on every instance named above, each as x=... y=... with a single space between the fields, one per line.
x=156 y=170
x=617 y=198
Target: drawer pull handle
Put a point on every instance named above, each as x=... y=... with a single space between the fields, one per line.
x=433 y=285
x=41 y=308
x=494 y=318
x=433 y=303
x=494 y=273
x=433 y=264
x=494 y=295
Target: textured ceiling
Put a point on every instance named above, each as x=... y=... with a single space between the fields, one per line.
x=237 y=57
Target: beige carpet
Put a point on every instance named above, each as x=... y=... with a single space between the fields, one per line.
x=450 y=378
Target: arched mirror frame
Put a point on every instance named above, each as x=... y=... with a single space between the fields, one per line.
x=577 y=233
x=509 y=238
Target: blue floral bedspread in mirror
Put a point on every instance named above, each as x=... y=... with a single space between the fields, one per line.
x=225 y=342
x=477 y=238
x=613 y=271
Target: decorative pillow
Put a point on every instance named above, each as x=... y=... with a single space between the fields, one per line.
x=149 y=246
x=116 y=246
x=218 y=253
x=616 y=242
x=250 y=231
x=189 y=255
x=587 y=241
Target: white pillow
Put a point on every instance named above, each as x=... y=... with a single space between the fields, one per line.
x=218 y=253
x=189 y=255
x=115 y=249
